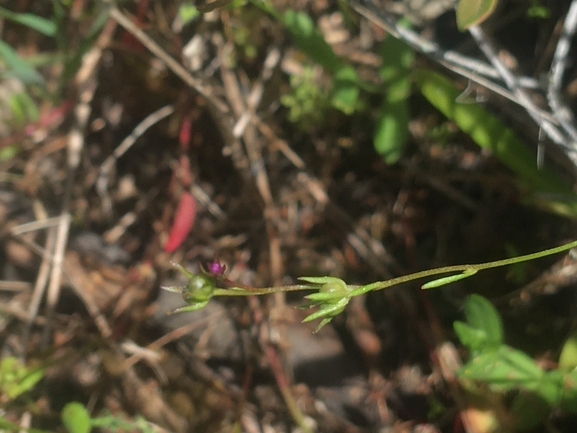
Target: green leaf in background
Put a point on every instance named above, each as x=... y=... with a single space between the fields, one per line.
x=475 y=339
x=345 y=92
x=529 y=409
x=490 y=134
x=569 y=400
x=16 y=378
x=537 y=10
x=76 y=418
x=35 y=22
x=23 y=108
x=392 y=129
x=482 y=315
x=17 y=67
x=504 y=369
x=568 y=357
x=311 y=41
x=187 y=12
x=473 y=12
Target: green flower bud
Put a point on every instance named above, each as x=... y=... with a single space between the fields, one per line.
x=200 y=288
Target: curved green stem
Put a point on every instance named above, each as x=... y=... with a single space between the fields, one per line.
x=464 y=271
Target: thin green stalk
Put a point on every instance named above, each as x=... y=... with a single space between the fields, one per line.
x=464 y=272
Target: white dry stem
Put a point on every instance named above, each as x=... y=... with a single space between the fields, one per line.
x=558 y=67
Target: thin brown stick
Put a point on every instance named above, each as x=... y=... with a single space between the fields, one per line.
x=85 y=81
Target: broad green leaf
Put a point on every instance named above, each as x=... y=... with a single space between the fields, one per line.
x=76 y=418
x=475 y=339
x=489 y=133
x=482 y=315
x=18 y=67
x=473 y=12
x=35 y=22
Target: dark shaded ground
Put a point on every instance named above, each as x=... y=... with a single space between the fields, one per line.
x=277 y=202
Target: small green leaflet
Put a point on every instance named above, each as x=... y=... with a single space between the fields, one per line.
x=473 y=12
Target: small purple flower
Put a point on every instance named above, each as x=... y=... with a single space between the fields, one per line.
x=215 y=268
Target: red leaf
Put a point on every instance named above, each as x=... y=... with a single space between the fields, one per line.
x=183 y=221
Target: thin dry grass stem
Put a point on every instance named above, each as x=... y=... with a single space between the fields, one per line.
x=14 y=286
x=170 y=63
x=107 y=166
x=203 y=198
x=512 y=82
x=39 y=287
x=449 y=59
x=170 y=337
x=34 y=225
x=558 y=67
x=472 y=69
x=86 y=82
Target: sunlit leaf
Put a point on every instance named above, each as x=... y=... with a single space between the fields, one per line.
x=568 y=357
x=76 y=418
x=473 y=12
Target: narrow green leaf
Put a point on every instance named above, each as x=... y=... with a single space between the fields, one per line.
x=450 y=279
x=35 y=22
x=392 y=130
x=23 y=108
x=490 y=134
x=76 y=418
x=473 y=12
x=25 y=383
x=319 y=280
x=481 y=314
x=20 y=69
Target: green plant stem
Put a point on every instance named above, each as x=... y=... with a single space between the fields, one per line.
x=462 y=270
x=471 y=269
